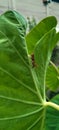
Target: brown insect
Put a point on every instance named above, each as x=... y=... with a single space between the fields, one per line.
x=33 y=61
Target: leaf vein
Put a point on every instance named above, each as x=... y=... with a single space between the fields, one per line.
x=24 y=85
x=21 y=116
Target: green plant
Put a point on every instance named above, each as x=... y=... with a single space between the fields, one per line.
x=52 y=78
x=31 y=23
x=55 y=55
x=23 y=104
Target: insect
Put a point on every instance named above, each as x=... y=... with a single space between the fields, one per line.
x=33 y=61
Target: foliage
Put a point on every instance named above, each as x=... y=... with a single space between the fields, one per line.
x=52 y=78
x=23 y=104
x=31 y=23
x=55 y=55
x=52 y=121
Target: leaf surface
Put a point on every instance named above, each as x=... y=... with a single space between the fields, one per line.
x=38 y=31
x=22 y=86
x=52 y=80
x=52 y=117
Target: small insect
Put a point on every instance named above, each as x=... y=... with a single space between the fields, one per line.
x=33 y=61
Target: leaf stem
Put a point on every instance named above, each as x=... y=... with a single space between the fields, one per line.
x=54 y=66
x=51 y=104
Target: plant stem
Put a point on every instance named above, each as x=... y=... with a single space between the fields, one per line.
x=54 y=67
x=51 y=104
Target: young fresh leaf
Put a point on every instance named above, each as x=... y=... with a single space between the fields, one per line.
x=40 y=30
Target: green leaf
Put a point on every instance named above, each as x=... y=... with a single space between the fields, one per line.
x=20 y=106
x=40 y=30
x=52 y=117
x=22 y=86
x=11 y=21
x=42 y=56
x=52 y=80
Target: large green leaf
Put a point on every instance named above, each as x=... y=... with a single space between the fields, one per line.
x=52 y=118
x=52 y=77
x=38 y=31
x=11 y=21
x=22 y=86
